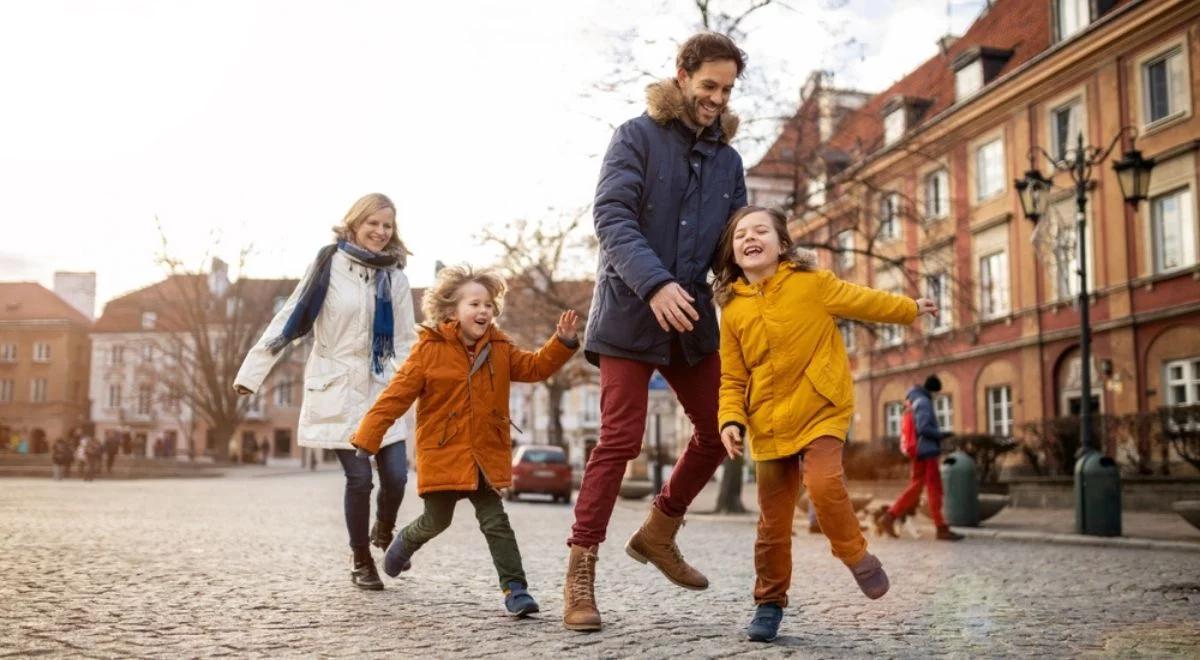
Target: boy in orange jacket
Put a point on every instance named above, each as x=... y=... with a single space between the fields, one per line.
x=460 y=371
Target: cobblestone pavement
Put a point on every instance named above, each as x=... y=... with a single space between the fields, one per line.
x=251 y=567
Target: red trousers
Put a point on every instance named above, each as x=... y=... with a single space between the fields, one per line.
x=925 y=474
x=624 y=388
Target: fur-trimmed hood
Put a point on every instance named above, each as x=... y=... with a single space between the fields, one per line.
x=664 y=102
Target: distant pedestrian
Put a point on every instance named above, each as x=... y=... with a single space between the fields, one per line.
x=88 y=455
x=60 y=455
x=921 y=439
x=356 y=301
x=112 y=445
x=785 y=384
x=460 y=371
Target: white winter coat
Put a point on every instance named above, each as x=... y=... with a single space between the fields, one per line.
x=339 y=386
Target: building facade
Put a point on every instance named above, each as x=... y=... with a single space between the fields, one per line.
x=917 y=196
x=44 y=366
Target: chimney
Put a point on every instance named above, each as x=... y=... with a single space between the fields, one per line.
x=78 y=289
x=945 y=42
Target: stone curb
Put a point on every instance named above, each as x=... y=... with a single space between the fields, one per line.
x=1077 y=539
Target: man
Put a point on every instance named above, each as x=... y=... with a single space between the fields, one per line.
x=925 y=468
x=667 y=187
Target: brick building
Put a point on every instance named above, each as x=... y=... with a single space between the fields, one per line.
x=913 y=191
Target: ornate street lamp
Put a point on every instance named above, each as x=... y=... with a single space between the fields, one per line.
x=1133 y=175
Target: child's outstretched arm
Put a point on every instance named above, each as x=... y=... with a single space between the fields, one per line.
x=530 y=367
x=393 y=402
x=731 y=408
x=862 y=303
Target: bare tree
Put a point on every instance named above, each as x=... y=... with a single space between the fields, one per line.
x=205 y=325
x=547 y=265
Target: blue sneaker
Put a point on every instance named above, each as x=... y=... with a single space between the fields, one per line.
x=764 y=627
x=518 y=602
x=396 y=560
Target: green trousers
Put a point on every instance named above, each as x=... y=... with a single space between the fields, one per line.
x=493 y=522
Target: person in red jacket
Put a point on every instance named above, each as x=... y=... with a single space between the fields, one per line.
x=921 y=439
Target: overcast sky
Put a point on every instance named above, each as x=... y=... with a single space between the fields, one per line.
x=259 y=123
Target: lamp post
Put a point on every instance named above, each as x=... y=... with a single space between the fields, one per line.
x=1133 y=175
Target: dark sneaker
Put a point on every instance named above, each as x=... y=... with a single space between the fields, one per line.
x=364 y=574
x=397 y=559
x=944 y=533
x=764 y=627
x=381 y=534
x=518 y=602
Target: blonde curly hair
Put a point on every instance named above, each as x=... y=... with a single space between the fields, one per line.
x=440 y=300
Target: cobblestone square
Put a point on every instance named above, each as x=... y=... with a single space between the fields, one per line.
x=257 y=566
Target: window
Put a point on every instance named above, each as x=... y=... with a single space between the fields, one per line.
x=1173 y=225
x=148 y=320
x=937 y=195
x=893 y=126
x=999 y=410
x=890 y=334
x=937 y=289
x=814 y=192
x=1164 y=81
x=989 y=170
x=993 y=285
x=6 y=391
x=144 y=399
x=889 y=221
x=943 y=409
x=114 y=396
x=847 y=330
x=845 y=246
x=892 y=411
x=37 y=390
x=173 y=397
x=591 y=406
x=1183 y=382
x=1073 y=16
x=254 y=405
x=283 y=392
x=968 y=79
x=41 y=352
x=1066 y=122
x=147 y=353
x=116 y=355
x=8 y=352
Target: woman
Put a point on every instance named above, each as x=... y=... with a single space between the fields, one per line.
x=355 y=300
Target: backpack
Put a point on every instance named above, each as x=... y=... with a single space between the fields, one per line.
x=908 y=431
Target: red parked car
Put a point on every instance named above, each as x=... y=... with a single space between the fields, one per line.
x=541 y=469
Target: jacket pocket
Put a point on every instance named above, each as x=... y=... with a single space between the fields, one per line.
x=448 y=430
x=828 y=381
x=503 y=430
x=325 y=397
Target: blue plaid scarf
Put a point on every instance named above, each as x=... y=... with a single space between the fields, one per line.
x=312 y=296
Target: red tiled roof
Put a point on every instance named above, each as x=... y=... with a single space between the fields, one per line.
x=124 y=314
x=30 y=301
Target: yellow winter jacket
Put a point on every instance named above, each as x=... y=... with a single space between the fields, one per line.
x=785 y=377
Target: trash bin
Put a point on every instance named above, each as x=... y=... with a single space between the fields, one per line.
x=1097 y=495
x=961 y=503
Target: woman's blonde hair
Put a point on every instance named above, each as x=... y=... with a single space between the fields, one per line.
x=725 y=268
x=365 y=206
x=441 y=299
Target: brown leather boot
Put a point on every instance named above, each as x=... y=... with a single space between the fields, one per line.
x=654 y=542
x=885 y=523
x=579 y=593
x=944 y=533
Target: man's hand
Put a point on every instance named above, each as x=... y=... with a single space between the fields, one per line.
x=731 y=437
x=926 y=306
x=566 y=325
x=673 y=308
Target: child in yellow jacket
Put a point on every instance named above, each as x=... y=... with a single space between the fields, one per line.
x=785 y=382
x=459 y=374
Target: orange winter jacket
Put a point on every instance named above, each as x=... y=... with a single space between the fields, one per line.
x=785 y=377
x=462 y=417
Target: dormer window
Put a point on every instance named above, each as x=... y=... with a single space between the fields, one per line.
x=899 y=114
x=1071 y=16
x=974 y=68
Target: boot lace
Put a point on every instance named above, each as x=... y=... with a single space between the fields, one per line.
x=582 y=578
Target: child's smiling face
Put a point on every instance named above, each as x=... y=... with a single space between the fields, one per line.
x=475 y=311
x=756 y=243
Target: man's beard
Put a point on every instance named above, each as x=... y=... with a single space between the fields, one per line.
x=691 y=106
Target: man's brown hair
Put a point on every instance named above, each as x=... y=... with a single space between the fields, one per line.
x=709 y=47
